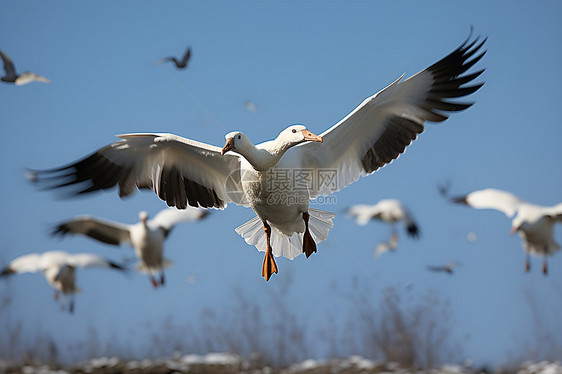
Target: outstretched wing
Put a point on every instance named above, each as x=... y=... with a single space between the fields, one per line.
x=8 y=67
x=166 y=219
x=491 y=198
x=28 y=77
x=386 y=246
x=179 y=170
x=186 y=57
x=361 y=212
x=380 y=128
x=167 y=59
x=30 y=263
x=102 y=230
x=87 y=260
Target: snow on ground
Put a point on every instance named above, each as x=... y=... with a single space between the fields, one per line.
x=228 y=363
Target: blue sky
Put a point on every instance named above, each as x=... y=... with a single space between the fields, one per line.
x=300 y=62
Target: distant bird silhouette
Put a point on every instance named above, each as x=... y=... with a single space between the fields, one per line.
x=59 y=269
x=146 y=237
x=444 y=188
x=448 y=268
x=534 y=223
x=21 y=79
x=251 y=106
x=180 y=64
x=387 y=246
x=389 y=211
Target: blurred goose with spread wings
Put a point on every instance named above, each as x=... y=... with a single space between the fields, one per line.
x=534 y=223
x=180 y=64
x=18 y=79
x=389 y=211
x=278 y=178
x=59 y=269
x=146 y=237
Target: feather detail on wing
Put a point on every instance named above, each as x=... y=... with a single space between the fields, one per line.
x=491 y=198
x=104 y=231
x=179 y=170
x=40 y=262
x=383 y=125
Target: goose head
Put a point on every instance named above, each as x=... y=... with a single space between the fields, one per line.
x=294 y=135
x=267 y=154
x=238 y=142
x=143 y=216
x=519 y=223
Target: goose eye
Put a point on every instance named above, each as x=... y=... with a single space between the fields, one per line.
x=239 y=137
x=294 y=131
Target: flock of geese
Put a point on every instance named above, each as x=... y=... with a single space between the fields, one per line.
x=276 y=178
x=146 y=237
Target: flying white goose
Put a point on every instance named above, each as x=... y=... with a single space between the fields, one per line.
x=387 y=246
x=146 y=237
x=389 y=211
x=21 y=79
x=279 y=177
x=534 y=223
x=59 y=269
x=180 y=64
x=386 y=210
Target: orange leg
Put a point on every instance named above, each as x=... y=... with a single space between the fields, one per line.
x=153 y=281
x=162 y=279
x=527 y=263
x=308 y=245
x=269 y=267
x=544 y=267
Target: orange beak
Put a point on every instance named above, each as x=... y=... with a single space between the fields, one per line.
x=513 y=230
x=310 y=136
x=228 y=146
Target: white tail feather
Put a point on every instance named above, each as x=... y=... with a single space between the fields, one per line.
x=319 y=225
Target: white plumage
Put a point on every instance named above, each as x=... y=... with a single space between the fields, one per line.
x=534 y=223
x=278 y=178
x=146 y=237
x=59 y=268
x=389 y=211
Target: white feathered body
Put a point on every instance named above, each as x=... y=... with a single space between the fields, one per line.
x=387 y=210
x=534 y=223
x=536 y=230
x=275 y=199
x=149 y=247
x=280 y=199
x=62 y=277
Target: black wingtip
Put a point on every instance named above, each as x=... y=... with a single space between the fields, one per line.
x=31 y=175
x=413 y=230
x=7 y=271
x=120 y=267
x=59 y=230
x=90 y=174
x=460 y=200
